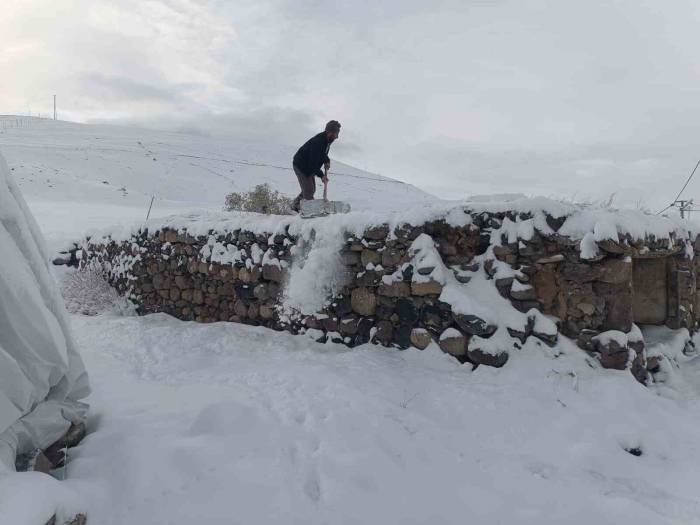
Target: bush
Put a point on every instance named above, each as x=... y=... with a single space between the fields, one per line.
x=262 y=199
x=86 y=291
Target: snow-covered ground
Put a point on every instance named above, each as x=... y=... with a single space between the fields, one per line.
x=225 y=423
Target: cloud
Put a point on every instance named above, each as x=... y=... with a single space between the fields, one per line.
x=121 y=88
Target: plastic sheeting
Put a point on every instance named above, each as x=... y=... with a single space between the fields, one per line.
x=42 y=376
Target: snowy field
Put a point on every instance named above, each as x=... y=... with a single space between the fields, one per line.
x=225 y=423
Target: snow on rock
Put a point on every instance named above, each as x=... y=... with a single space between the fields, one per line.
x=588 y=247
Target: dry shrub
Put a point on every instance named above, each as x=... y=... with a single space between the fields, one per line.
x=261 y=199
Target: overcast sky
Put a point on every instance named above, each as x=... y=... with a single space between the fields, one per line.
x=579 y=99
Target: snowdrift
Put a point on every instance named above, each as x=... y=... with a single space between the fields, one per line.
x=42 y=377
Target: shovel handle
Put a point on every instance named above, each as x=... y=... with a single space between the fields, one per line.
x=325 y=186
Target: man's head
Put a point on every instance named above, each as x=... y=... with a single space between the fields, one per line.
x=333 y=129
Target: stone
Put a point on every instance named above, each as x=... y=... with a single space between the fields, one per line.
x=244 y=291
x=80 y=519
x=523 y=293
x=447 y=249
x=614 y=247
x=330 y=324
x=182 y=282
x=420 y=338
x=368 y=278
x=385 y=332
x=586 y=308
x=474 y=325
x=502 y=252
x=462 y=278
x=455 y=345
x=430 y=287
x=159 y=282
x=267 y=311
x=552 y=259
x=203 y=267
x=253 y=311
x=350 y=258
x=435 y=317
x=272 y=272
x=504 y=282
x=426 y=270
x=261 y=291
x=395 y=289
x=470 y=267
x=377 y=233
x=653 y=364
x=480 y=357
x=370 y=257
x=407 y=311
x=174 y=294
x=240 y=308
x=250 y=275
x=555 y=222
x=392 y=258
x=228 y=273
x=618 y=300
x=385 y=311
x=363 y=301
x=402 y=336
x=342 y=306
x=225 y=290
x=612 y=355
x=639 y=370
x=348 y=325
x=170 y=236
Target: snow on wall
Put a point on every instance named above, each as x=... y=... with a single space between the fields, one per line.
x=42 y=376
x=478 y=282
x=575 y=222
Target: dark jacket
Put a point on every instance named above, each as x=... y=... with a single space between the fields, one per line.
x=313 y=155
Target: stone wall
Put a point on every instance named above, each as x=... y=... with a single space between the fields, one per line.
x=407 y=285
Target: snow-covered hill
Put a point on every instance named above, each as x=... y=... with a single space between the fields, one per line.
x=79 y=175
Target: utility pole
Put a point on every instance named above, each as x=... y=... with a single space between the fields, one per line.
x=684 y=206
x=54 y=107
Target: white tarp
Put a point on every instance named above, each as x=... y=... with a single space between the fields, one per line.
x=42 y=376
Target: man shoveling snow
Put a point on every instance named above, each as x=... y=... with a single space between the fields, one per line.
x=309 y=159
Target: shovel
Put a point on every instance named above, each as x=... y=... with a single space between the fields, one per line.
x=321 y=207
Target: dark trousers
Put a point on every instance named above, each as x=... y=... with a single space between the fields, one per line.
x=307 y=183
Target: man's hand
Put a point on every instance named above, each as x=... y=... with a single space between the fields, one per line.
x=324 y=179
x=327 y=166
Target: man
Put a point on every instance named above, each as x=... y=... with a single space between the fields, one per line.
x=309 y=159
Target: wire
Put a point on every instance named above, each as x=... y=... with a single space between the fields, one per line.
x=261 y=164
x=683 y=188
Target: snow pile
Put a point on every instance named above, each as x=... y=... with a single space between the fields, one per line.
x=315 y=274
x=42 y=376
